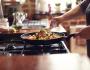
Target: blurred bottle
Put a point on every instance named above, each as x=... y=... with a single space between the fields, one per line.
x=78 y=1
x=68 y=5
x=57 y=7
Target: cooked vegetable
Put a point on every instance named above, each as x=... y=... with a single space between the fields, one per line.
x=43 y=35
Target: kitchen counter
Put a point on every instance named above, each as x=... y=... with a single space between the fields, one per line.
x=45 y=62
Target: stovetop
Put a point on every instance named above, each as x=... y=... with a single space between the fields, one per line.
x=13 y=44
x=26 y=49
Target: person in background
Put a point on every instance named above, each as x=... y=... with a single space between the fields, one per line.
x=82 y=9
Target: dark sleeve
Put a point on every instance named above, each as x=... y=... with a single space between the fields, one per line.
x=84 y=5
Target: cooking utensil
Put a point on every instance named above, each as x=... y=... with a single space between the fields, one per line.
x=45 y=42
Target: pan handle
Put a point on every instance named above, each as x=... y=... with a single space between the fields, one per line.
x=71 y=35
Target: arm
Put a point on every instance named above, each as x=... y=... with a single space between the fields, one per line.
x=73 y=13
x=77 y=11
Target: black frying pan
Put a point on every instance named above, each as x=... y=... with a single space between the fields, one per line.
x=45 y=42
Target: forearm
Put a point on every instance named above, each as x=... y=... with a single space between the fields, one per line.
x=73 y=13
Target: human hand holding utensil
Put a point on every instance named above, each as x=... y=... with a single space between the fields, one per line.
x=56 y=21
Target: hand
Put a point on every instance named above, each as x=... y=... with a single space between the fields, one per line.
x=84 y=33
x=55 y=21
